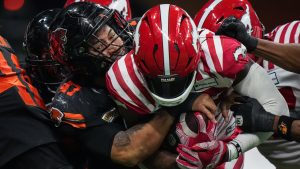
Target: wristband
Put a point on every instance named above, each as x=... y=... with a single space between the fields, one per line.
x=284 y=127
x=234 y=150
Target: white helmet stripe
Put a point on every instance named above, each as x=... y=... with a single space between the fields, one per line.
x=164 y=10
x=207 y=11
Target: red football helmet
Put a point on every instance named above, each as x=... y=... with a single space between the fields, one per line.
x=212 y=14
x=122 y=6
x=166 y=49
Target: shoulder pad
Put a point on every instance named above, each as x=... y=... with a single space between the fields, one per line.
x=126 y=84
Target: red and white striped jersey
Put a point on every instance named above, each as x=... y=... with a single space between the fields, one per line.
x=221 y=61
x=127 y=85
x=287 y=82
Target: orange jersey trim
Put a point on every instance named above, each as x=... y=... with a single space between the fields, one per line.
x=11 y=75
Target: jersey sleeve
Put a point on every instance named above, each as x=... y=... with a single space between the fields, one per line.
x=287 y=33
x=224 y=56
x=128 y=87
x=99 y=139
x=222 y=59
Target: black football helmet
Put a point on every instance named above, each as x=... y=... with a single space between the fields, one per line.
x=76 y=32
x=45 y=73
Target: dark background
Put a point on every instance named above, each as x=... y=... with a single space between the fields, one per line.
x=13 y=23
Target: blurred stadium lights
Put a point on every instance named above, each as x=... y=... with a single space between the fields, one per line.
x=13 y=5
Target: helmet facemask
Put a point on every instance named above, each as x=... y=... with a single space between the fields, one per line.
x=109 y=39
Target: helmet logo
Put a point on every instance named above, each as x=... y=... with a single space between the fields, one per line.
x=56 y=116
x=58 y=39
x=165 y=80
x=247 y=20
x=120 y=6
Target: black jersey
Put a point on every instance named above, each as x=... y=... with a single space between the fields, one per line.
x=82 y=107
x=88 y=116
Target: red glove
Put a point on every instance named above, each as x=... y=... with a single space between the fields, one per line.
x=201 y=155
x=188 y=136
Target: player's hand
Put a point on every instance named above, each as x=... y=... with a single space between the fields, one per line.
x=251 y=116
x=202 y=155
x=234 y=28
x=226 y=102
x=192 y=128
x=205 y=104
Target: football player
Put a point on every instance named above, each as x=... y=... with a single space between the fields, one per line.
x=45 y=73
x=217 y=12
x=27 y=138
x=143 y=81
x=287 y=83
x=87 y=38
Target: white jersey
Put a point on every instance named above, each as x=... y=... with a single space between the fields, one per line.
x=284 y=154
x=287 y=82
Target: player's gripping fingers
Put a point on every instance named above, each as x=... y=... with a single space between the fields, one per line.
x=206 y=105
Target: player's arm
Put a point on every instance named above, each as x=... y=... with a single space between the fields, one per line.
x=255 y=83
x=295 y=130
x=286 y=56
x=252 y=117
x=161 y=160
x=134 y=145
x=283 y=55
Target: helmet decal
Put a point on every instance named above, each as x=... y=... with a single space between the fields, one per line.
x=247 y=20
x=121 y=6
x=58 y=39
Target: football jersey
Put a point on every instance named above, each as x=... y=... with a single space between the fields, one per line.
x=82 y=107
x=287 y=82
x=128 y=86
x=24 y=122
x=222 y=58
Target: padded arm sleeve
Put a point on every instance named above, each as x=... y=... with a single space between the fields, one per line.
x=258 y=85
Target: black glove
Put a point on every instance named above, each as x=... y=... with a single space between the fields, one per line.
x=251 y=116
x=234 y=28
